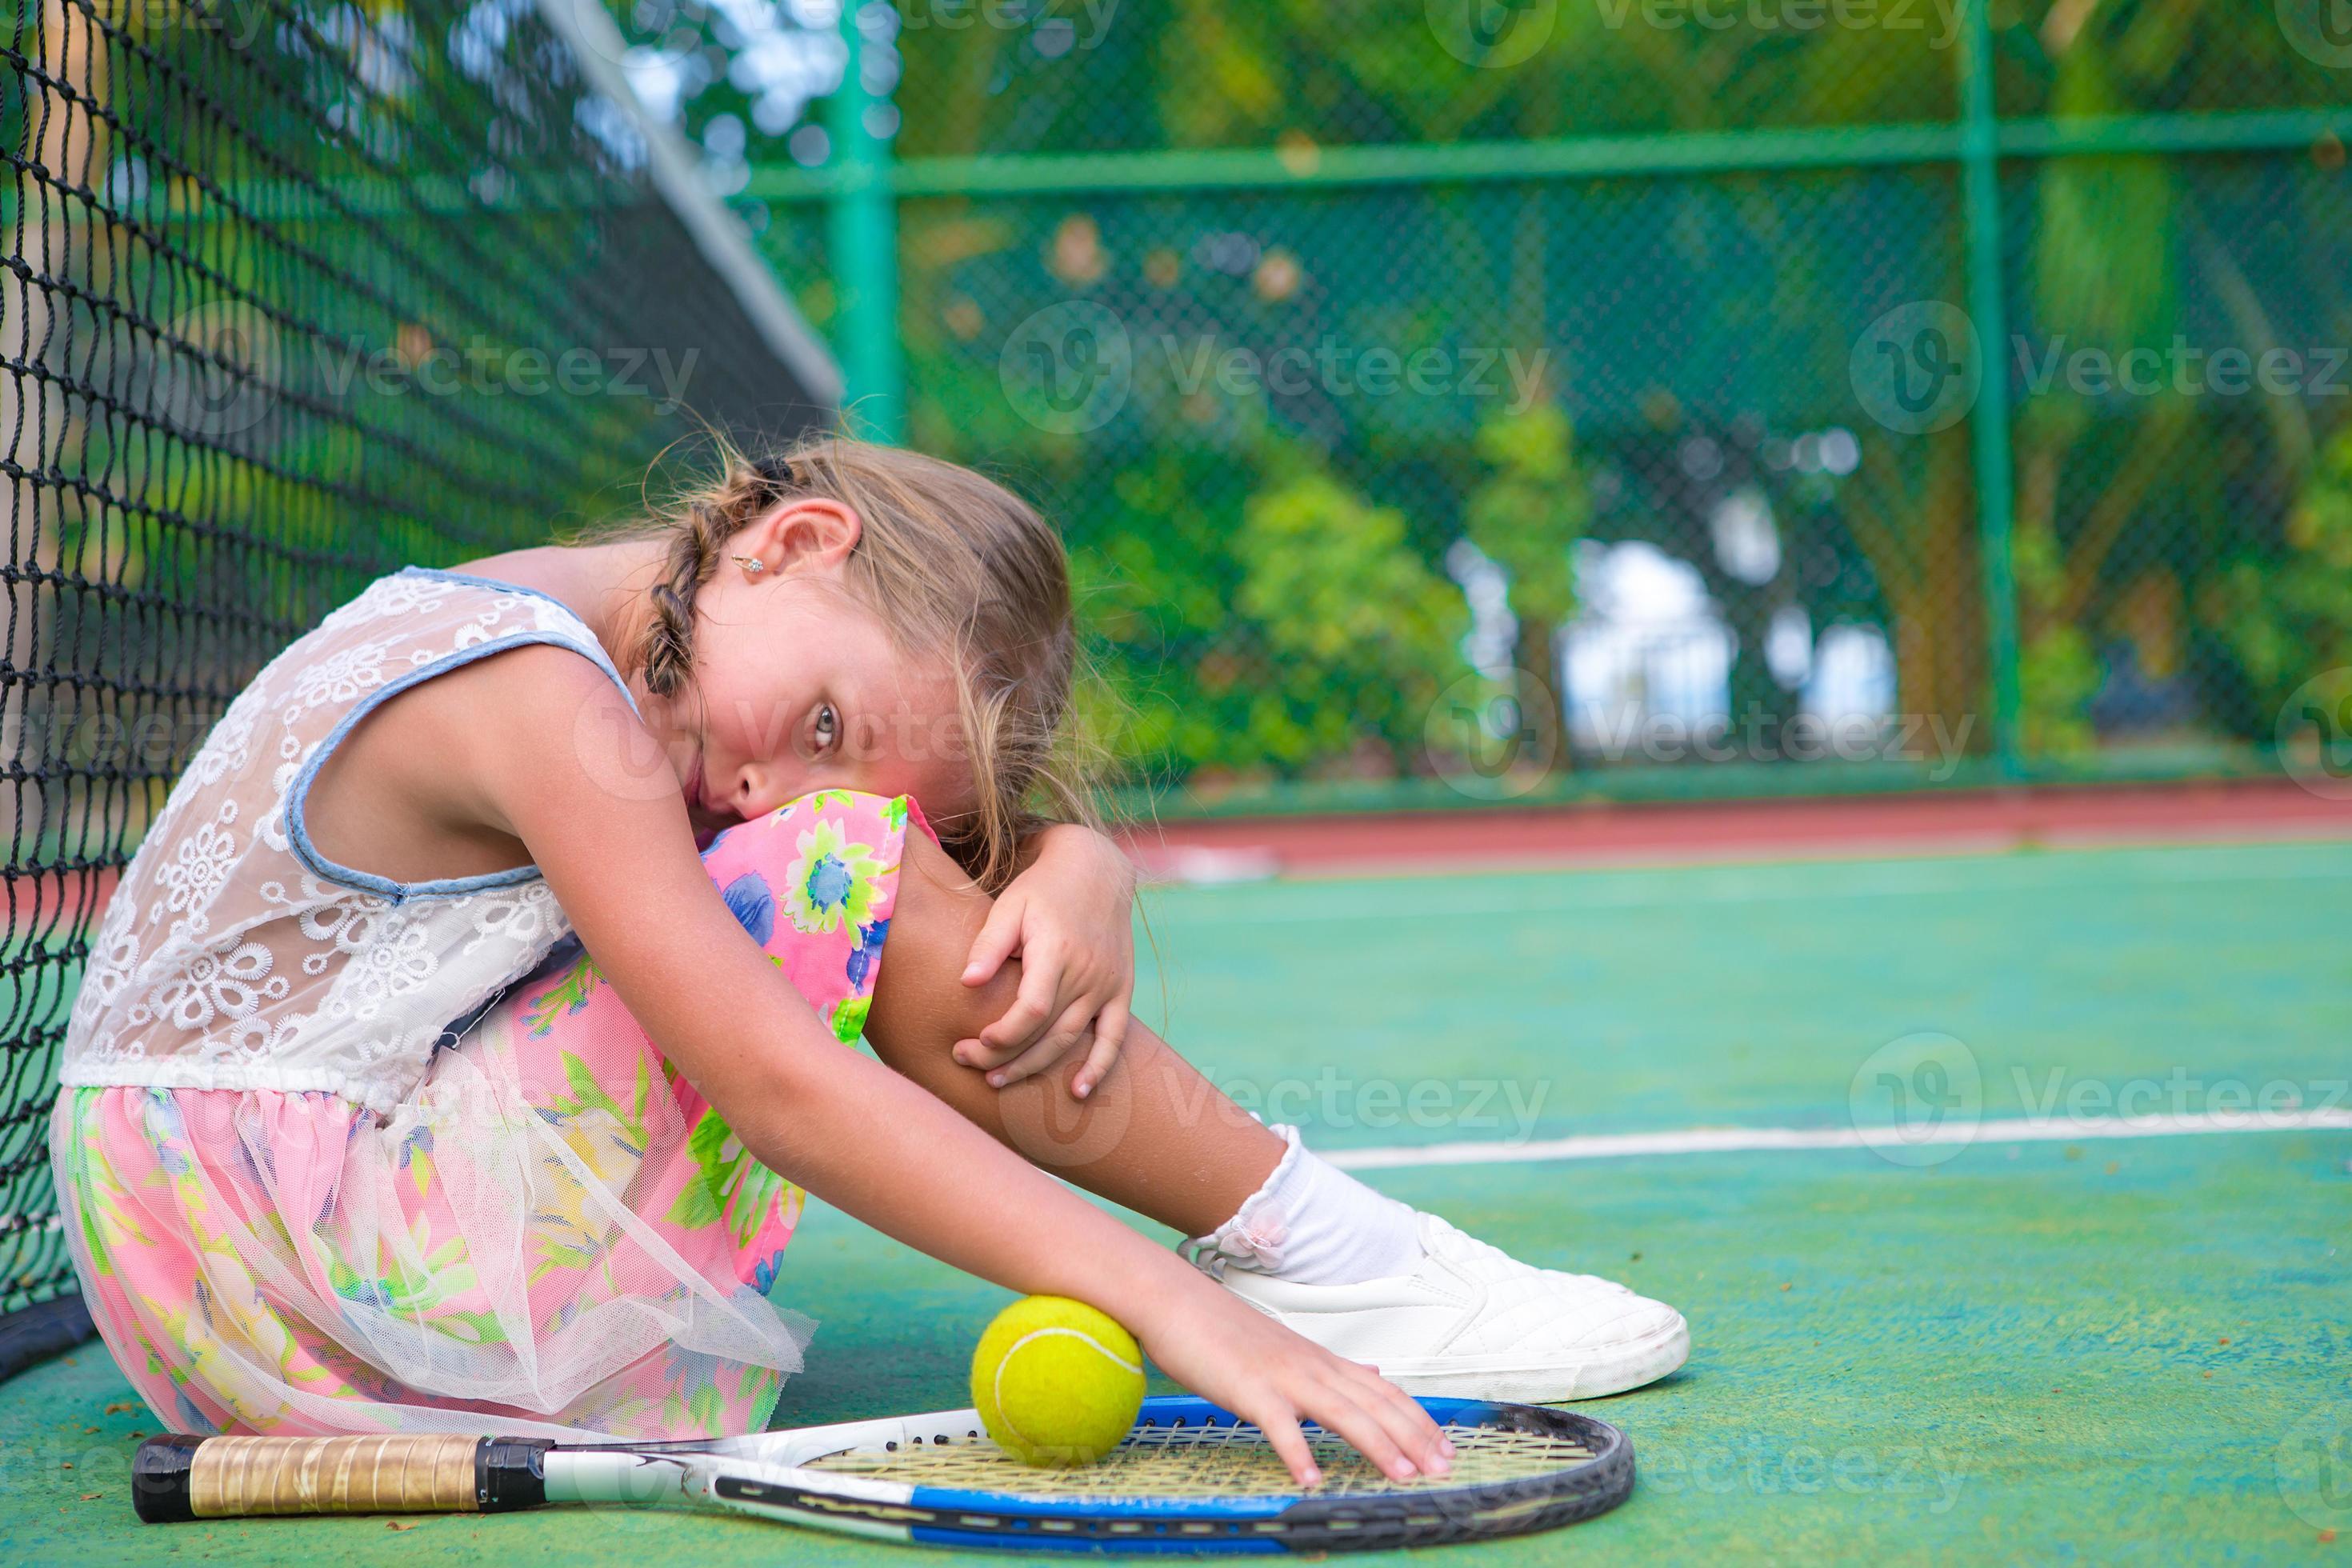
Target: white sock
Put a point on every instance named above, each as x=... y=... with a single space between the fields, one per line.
x=1312 y=1224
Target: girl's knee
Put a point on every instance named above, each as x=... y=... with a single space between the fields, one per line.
x=830 y=834
x=815 y=884
x=784 y=824
x=940 y=913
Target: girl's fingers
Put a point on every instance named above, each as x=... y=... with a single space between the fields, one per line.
x=1051 y=1047
x=1421 y=1424
x=1338 y=1409
x=1102 y=1055
x=996 y=941
x=1025 y=1064
x=1040 y=975
x=980 y=1053
x=1409 y=1426
x=1382 y=1386
x=1110 y=1034
x=1281 y=1430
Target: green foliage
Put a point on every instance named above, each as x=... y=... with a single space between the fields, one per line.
x=2057 y=672
x=1531 y=510
x=1152 y=590
x=2103 y=260
x=2057 y=675
x=1252 y=615
x=2288 y=617
x=1360 y=632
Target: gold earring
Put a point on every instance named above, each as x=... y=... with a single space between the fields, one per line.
x=750 y=563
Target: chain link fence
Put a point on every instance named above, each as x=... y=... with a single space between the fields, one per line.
x=1506 y=399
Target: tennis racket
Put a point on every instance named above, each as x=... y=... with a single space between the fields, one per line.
x=1190 y=1477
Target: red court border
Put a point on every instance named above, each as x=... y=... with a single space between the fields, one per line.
x=1954 y=822
x=1603 y=833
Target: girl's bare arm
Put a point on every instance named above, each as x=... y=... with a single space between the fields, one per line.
x=621 y=862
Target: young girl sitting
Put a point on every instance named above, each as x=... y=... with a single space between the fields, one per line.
x=456 y=1051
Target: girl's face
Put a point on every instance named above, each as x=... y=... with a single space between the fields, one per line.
x=797 y=687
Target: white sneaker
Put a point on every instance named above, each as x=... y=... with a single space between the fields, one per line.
x=1473 y=1322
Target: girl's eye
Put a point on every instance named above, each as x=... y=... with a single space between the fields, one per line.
x=828 y=727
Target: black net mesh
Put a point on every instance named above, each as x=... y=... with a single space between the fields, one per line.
x=294 y=294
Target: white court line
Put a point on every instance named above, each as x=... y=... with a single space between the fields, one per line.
x=1737 y=1139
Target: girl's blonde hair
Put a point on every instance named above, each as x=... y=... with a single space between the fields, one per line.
x=955 y=566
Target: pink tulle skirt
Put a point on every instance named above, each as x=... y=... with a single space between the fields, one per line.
x=554 y=1235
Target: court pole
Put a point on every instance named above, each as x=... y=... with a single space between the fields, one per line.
x=863 y=229
x=1989 y=424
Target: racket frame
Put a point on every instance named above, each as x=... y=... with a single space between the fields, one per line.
x=768 y=1475
x=773 y=1476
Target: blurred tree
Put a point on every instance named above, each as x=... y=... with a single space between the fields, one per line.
x=2057 y=672
x=1525 y=516
x=2289 y=618
x=2124 y=492
x=1361 y=634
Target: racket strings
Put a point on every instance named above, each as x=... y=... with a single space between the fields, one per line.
x=1207 y=1461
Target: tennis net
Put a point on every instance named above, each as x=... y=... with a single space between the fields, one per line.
x=297 y=292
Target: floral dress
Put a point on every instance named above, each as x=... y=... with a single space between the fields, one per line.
x=336 y=1153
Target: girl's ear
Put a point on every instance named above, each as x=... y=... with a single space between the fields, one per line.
x=814 y=534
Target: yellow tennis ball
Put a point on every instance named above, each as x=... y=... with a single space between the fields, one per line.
x=1056 y=1382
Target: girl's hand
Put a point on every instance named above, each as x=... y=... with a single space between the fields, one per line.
x=1232 y=1354
x=1070 y=918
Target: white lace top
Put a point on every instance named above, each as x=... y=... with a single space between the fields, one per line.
x=234 y=955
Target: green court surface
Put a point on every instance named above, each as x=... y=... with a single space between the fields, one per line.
x=2051 y=1348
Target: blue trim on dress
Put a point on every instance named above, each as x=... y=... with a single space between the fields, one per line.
x=591 y=650
x=298 y=795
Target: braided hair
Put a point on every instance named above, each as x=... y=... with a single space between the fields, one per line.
x=956 y=567
x=697 y=539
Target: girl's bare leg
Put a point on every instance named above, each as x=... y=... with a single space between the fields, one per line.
x=1154 y=1136
x=1158 y=1138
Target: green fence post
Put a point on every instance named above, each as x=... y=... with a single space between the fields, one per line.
x=862 y=228
x=1996 y=494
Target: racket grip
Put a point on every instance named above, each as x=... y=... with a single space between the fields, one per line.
x=177 y=1478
